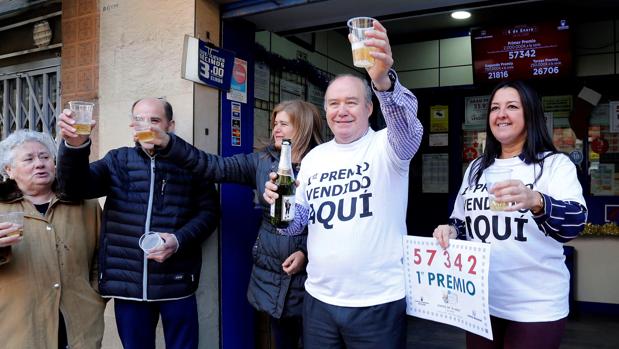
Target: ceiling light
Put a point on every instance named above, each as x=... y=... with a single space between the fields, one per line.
x=460 y=14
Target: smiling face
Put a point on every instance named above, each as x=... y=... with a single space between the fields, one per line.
x=348 y=112
x=32 y=168
x=282 y=128
x=507 y=120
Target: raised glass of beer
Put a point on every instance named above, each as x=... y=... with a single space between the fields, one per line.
x=82 y=114
x=141 y=126
x=360 y=53
x=17 y=219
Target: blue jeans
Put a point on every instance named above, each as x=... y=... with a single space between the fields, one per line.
x=137 y=322
x=327 y=326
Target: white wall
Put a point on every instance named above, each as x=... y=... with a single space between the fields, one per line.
x=140 y=57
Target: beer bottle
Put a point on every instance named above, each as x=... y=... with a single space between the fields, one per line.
x=282 y=211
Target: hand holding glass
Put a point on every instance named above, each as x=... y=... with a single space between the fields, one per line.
x=495 y=175
x=360 y=53
x=82 y=114
x=141 y=125
x=17 y=218
x=149 y=241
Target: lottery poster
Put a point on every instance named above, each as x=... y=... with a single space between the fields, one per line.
x=448 y=285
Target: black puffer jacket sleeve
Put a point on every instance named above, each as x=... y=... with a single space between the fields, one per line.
x=240 y=168
x=76 y=178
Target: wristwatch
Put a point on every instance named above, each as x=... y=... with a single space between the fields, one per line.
x=541 y=205
x=392 y=77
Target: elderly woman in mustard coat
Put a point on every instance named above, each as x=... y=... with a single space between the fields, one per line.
x=48 y=296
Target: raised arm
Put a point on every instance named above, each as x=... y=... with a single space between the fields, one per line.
x=76 y=178
x=398 y=104
x=240 y=168
x=404 y=130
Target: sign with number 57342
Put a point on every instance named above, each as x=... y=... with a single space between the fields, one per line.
x=448 y=285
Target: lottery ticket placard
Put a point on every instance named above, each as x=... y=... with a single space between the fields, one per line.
x=448 y=285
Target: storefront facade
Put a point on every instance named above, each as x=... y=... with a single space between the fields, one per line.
x=113 y=52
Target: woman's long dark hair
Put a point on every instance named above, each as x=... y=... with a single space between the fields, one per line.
x=537 y=141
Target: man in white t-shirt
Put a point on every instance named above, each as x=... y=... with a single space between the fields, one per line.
x=353 y=198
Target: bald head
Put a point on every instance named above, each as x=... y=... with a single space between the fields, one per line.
x=165 y=105
x=354 y=80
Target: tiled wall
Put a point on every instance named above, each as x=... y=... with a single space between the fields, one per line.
x=80 y=54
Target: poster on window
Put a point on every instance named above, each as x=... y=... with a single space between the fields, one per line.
x=289 y=90
x=435 y=173
x=262 y=76
x=238 y=84
x=448 y=285
x=439 y=118
x=316 y=96
x=561 y=106
x=613 y=110
x=475 y=110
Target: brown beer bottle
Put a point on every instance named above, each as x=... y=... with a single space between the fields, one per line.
x=282 y=211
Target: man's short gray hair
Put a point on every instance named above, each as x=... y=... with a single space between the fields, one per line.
x=366 y=87
x=16 y=139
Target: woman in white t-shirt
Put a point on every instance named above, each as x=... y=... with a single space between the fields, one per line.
x=528 y=279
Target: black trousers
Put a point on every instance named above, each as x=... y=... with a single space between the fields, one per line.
x=287 y=332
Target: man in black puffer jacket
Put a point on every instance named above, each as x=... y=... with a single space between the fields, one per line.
x=145 y=193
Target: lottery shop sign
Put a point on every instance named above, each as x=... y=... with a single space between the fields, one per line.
x=215 y=65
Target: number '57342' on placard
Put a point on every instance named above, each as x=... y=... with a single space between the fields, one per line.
x=428 y=256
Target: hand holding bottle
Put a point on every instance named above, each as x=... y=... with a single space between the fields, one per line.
x=282 y=210
x=270 y=188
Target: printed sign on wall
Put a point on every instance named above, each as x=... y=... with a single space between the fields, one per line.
x=215 y=65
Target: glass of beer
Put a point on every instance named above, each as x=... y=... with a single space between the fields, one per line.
x=495 y=175
x=17 y=218
x=82 y=114
x=360 y=53
x=141 y=126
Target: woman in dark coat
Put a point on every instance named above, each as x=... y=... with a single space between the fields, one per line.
x=276 y=285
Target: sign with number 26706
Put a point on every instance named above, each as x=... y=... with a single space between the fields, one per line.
x=448 y=285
